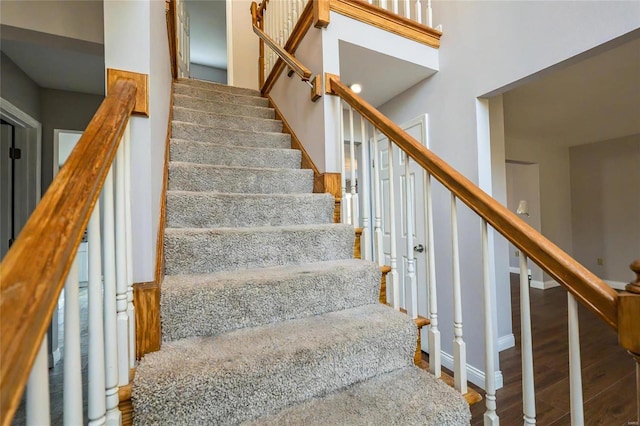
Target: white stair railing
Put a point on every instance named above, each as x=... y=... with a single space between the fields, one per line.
x=383 y=205
x=110 y=315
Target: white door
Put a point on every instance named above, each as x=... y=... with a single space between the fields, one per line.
x=184 y=31
x=418 y=128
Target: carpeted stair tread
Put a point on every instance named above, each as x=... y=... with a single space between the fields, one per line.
x=226 y=121
x=257 y=371
x=233 y=137
x=236 y=156
x=404 y=397
x=203 y=251
x=209 y=93
x=222 y=107
x=208 y=305
x=194 y=82
x=186 y=209
x=205 y=177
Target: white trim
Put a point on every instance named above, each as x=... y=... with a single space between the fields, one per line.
x=618 y=285
x=229 y=23
x=474 y=375
x=56 y=147
x=543 y=285
x=507 y=341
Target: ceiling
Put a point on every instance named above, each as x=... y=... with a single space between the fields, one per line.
x=369 y=68
x=595 y=99
x=208 y=32
x=55 y=62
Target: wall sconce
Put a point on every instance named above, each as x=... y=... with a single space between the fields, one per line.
x=523 y=208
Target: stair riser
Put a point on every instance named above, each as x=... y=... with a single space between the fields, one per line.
x=209 y=309
x=226 y=121
x=202 y=252
x=193 y=210
x=195 y=177
x=219 y=87
x=203 y=153
x=188 y=131
x=223 y=107
x=229 y=388
x=181 y=89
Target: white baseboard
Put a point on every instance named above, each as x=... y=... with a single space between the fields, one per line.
x=618 y=285
x=515 y=270
x=506 y=342
x=474 y=375
x=543 y=285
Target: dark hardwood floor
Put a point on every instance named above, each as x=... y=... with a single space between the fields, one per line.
x=608 y=372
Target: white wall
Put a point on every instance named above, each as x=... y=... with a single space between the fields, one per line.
x=79 y=19
x=605 y=183
x=135 y=39
x=244 y=45
x=523 y=183
x=486 y=47
x=203 y=72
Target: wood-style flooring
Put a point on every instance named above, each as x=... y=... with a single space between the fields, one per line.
x=608 y=372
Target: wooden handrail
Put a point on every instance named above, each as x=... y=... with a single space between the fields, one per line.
x=34 y=270
x=590 y=290
x=172 y=35
x=293 y=63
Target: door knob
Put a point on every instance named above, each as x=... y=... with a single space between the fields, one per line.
x=419 y=248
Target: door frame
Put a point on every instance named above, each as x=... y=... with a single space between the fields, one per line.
x=14 y=115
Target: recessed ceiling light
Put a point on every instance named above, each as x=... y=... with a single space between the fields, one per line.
x=356 y=88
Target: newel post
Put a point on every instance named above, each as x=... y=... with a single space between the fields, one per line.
x=629 y=325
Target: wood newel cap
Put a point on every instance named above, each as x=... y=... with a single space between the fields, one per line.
x=634 y=287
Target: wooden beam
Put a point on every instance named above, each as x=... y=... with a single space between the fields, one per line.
x=321 y=13
x=146 y=297
x=141 y=81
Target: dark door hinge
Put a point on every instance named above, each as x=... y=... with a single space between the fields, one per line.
x=15 y=153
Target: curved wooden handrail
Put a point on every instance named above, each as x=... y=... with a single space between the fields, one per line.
x=590 y=290
x=293 y=63
x=34 y=270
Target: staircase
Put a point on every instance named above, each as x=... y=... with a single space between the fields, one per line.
x=266 y=318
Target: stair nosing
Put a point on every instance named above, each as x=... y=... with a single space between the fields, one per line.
x=238 y=147
x=201 y=165
x=226 y=128
x=244 y=194
x=219 y=91
x=264 y=108
x=246 y=230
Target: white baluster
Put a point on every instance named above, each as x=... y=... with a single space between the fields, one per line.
x=429 y=14
x=365 y=189
x=490 y=415
x=122 y=279
x=395 y=281
x=289 y=20
x=395 y=6
x=355 y=208
x=114 y=416
x=419 y=11
x=575 y=370
x=72 y=393
x=459 y=347
x=435 y=360
x=528 y=387
x=38 y=389
x=345 y=201
x=294 y=12
x=131 y=312
x=412 y=309
x=407 y=9
x=96 y=406
x=377 y=225
x=383 y=4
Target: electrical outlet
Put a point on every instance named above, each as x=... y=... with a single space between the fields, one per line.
x=600 y=261
x=517 y=253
